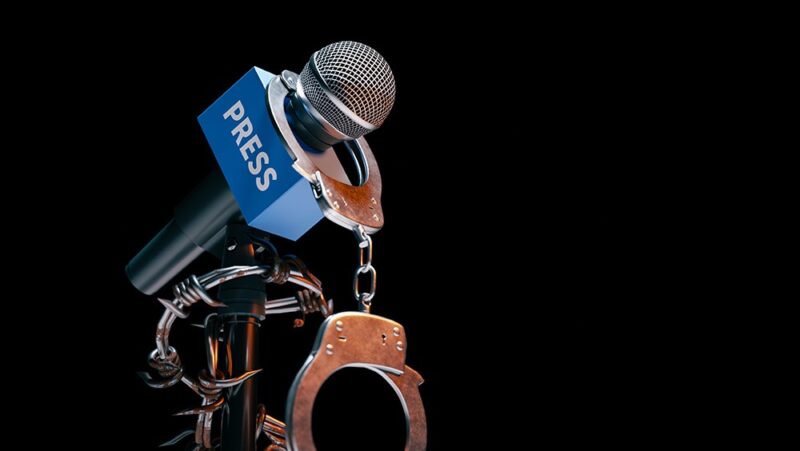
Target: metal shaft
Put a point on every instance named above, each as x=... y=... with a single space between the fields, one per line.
x=245 y=299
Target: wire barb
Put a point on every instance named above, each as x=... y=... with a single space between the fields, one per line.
x=211 y=384
x=272 y=428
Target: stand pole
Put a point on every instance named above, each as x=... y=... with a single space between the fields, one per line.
x=245 y=300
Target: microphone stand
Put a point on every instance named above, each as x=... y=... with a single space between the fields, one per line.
x=241 y=319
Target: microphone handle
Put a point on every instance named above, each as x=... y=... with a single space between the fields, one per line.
x=198 y=226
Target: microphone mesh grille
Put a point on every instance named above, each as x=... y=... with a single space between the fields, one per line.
x=359 y=77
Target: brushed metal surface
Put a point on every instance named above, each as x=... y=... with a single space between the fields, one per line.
x=353 y=339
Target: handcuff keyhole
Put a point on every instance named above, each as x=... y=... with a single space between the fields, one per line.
x=383 y=336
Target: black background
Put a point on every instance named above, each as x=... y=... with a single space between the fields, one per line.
x=505 y=253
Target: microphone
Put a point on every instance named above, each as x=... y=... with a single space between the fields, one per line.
x=345 y=91
x=272 y=136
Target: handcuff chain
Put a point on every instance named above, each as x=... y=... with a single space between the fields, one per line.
x=364 y=298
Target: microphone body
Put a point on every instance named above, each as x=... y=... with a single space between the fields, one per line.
x=256 y=183
x=268 y=154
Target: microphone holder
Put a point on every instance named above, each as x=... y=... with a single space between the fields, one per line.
x=240 y=319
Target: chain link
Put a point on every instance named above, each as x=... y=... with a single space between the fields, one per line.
x=364 y=298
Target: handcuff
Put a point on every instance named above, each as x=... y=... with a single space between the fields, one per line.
x=348 y=339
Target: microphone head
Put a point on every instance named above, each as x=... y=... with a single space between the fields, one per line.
x=350 y=86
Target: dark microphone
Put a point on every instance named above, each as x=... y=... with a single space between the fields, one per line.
x=345 y=91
